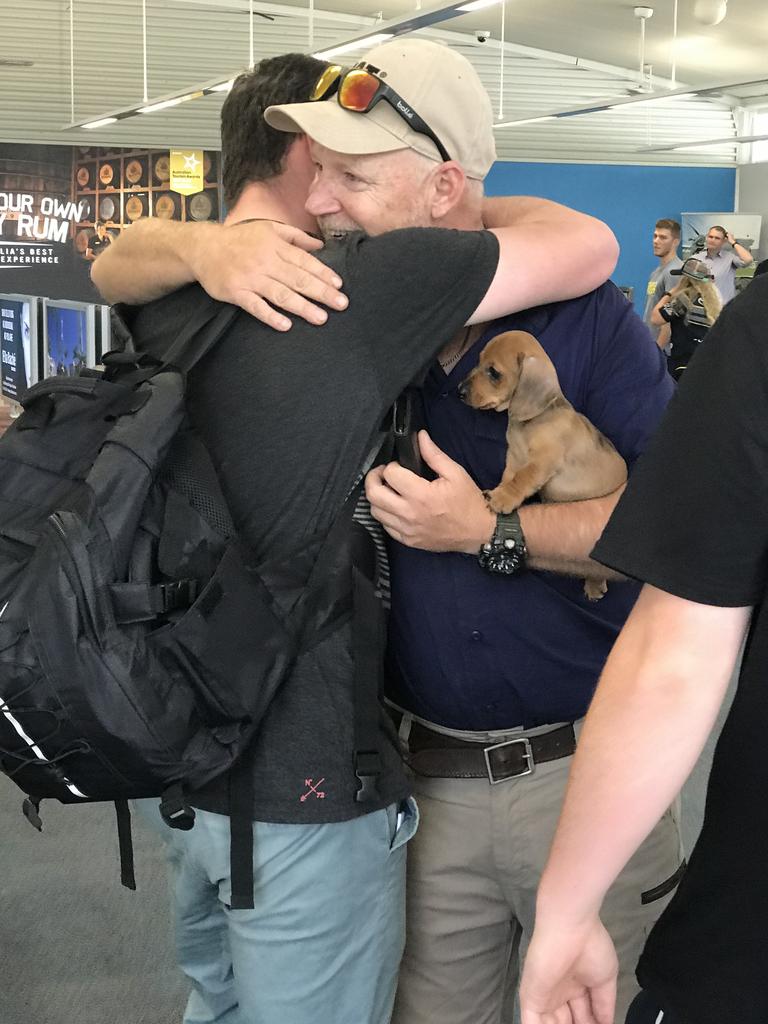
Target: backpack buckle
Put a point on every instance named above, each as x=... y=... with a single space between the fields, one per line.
x=178 y=594
x=175 y=810
x=368 y=770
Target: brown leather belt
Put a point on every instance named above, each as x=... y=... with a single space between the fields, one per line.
x=439 y=756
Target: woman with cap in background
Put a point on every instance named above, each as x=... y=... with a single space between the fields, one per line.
x=690 y=309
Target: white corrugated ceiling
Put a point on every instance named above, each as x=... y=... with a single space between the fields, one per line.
x=190 y=41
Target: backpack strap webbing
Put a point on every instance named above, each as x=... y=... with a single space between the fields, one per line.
x=326 y=604
x=125 y=843
x=367 y=647
x=241 y=800
x=207 y=323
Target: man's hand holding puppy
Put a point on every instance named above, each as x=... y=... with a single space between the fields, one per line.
x=446 y=514
x=451 y=514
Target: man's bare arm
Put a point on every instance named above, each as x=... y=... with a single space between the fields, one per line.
x=257 y=265
x=559 y=537
x=742 y=252
x=664 y=336
x=655 y=705
x=529 y=231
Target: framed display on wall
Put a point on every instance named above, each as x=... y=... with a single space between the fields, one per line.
x=119 y=187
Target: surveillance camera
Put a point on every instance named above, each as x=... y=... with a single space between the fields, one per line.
x=482 y=35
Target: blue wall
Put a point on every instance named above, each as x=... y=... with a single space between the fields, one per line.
x=630 y=199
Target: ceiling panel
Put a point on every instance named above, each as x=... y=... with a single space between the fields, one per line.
x=559 y=54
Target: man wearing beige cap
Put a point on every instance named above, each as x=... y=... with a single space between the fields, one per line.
x=490 y=666
x=289 y=423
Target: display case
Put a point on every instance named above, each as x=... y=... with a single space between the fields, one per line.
x=119 y=187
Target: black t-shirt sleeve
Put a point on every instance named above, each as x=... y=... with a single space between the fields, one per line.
x=411 y=290
x=694 y=518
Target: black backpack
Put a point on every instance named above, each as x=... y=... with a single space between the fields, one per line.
x=140 y=646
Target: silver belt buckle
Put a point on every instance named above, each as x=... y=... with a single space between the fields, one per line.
x=527 y=754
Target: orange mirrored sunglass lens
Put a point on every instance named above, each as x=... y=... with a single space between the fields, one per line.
x=325 y=81
x=357 y=90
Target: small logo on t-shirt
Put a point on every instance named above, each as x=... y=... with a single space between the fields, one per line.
x=313 y=789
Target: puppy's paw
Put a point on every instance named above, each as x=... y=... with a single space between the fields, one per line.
x=500 y=500
x=594 y=589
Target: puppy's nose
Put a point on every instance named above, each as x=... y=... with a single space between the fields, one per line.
x=462 y=390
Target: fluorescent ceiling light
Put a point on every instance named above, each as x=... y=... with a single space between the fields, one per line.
x=169 y=103
x=100 y=123
x=222 y=87
x=478 y=5
x=525 y=120
x=355 y=44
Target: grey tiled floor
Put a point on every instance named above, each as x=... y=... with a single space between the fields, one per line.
x=79 y=949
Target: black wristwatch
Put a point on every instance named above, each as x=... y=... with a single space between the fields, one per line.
x=505 y=552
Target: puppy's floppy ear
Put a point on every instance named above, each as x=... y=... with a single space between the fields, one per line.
x=536 y=387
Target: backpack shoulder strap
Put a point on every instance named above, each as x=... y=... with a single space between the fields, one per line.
x=207 y=323
x=199 y=336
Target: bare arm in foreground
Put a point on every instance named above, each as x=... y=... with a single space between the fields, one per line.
x=262 y=265
x=653 y=710
x=256 y=265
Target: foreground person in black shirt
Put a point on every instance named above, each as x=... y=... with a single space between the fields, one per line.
x=693 y=525
x=289 y=422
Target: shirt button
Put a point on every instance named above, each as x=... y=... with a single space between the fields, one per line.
x=476 y=634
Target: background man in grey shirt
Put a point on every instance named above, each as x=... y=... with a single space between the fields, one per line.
x=666 y=238
x=723 y=264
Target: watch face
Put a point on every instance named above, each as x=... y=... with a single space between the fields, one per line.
x=505 y=552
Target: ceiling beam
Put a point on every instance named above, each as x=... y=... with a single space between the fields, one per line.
x=731 y=140
x=597 y=106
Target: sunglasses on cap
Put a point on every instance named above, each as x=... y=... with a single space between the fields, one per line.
x=359 y=89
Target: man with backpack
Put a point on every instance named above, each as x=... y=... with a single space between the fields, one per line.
x=291 y=425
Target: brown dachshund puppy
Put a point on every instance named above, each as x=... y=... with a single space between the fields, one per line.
x=551 y=449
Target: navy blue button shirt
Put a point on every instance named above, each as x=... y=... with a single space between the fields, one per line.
x=472 y=650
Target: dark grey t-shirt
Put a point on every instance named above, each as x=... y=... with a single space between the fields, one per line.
x=289 y=420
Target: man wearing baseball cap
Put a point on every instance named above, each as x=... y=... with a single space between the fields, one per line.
x=490 y=666
x=289 y=423
x=415 y=94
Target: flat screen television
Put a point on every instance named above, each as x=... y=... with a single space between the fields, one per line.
x=69 y=343
x=19 y=316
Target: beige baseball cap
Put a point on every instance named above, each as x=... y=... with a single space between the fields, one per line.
x=437 y=82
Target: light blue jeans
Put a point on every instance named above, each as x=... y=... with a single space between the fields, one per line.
x=324 y=941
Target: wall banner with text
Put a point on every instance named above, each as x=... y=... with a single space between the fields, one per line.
x=60 y=206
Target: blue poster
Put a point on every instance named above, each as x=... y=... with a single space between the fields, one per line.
x=15 y=348
x=67 y=341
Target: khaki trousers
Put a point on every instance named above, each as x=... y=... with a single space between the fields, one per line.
x=473 y=869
